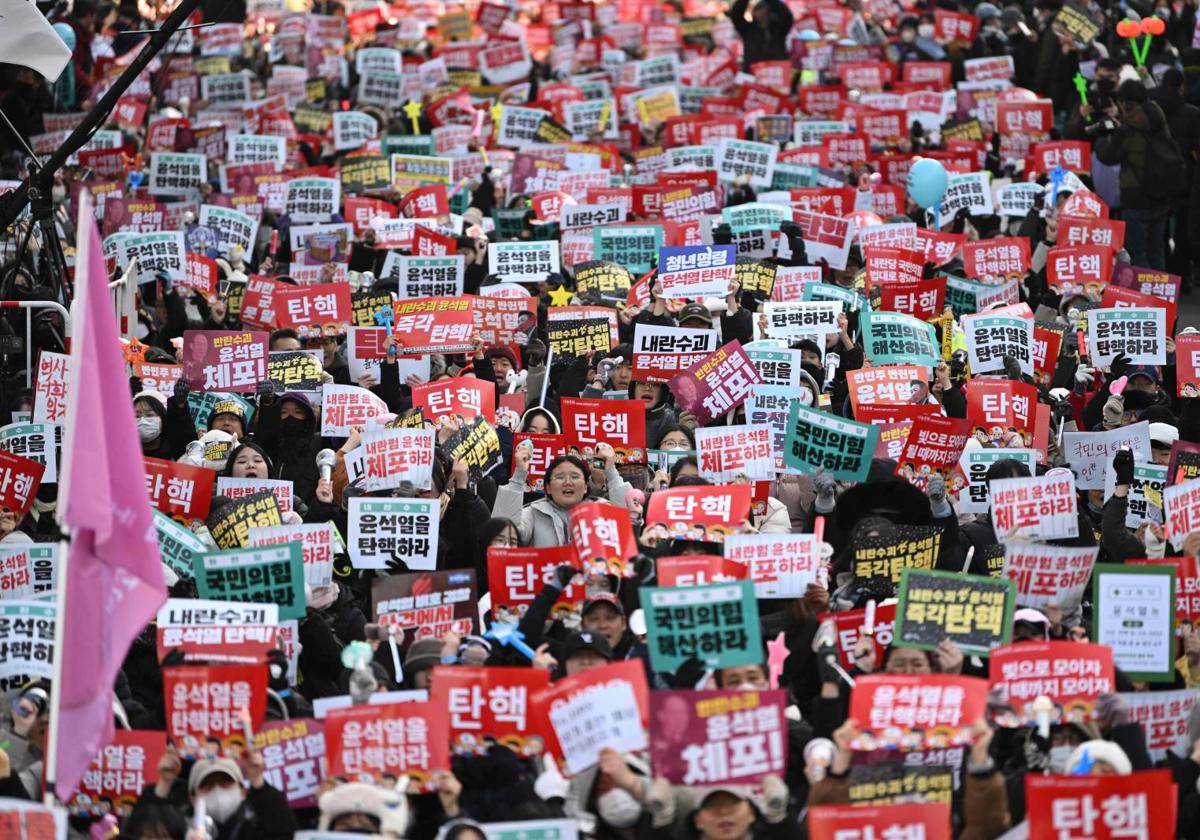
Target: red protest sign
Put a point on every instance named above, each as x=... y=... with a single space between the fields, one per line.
x=1071 y=674
x=543 y=450
x=1025 y=117
x=205 y=701
x=258 y=303
x=1187 y=585
x=433 y=325
x=201 y=275
x=931 y=710
x=939 y=248
x=397 y=739
x=427 y=202
x=119 y=772
x=1075 y=155
x=926 y=820
x=707 y=514
x=619 y=423
x=997 y=259
x=718 y=737
x=19 y=480
x=1119 y=297
x=1083 y=267
x=603 y=534
x=1187 y=364
x=955 y=26
x=225 y=360
x=293 y=751
x=1160 y=284
x=893 y=265
x=935 y=444
x=886 y=384
x=1101 y=807
x=997 y=409
x=314 y=310
x=698 y=570
x=179 y=490
x=462 y=395
x=1085 y=204
x=488 y=704
x=922 y=299
x=1073 y=230
x=849 y=625
x=936 y=72
x=498 y=320
x=516 y=576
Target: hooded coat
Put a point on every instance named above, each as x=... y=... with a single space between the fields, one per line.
x=293 y=452
x=1129 y=146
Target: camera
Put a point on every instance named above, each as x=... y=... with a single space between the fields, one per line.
x=1099 y=128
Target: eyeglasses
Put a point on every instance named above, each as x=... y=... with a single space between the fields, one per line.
x=563 y=478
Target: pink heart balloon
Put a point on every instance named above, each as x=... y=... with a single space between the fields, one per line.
x=1118 y=386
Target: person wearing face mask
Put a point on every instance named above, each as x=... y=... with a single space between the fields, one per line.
x=161 y=434
x=287 y=428
x=916 y=42
x=608 y=800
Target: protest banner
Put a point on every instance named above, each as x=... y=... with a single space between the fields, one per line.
x=1001 y=410
x=524 y=262
x=1137 y=333
x=580 y=330
x=886 y=557
x=726 y=453
x=387 y=532
x=718 y=737
x=433 y=325
x=317 y=542
x=973 y=495
x=926 y=820
x=26 y=642
x=892 y=338
x=1090 y=454
x=179 y=489
x=1135 y=617
x=1048 y=574
x=1101 y=806
x=426 y=604
x=294 y=370
x=597 y=708
x=50 y=391
x=119 y=773
x=516 y=575
x=343 y=406
x=716 y=385
x=817 y=440
x=603 y=536
x=488 y=705
x=294 y=753
x=1163 y=716
x=934 y=447
x=659 y=353
x=394 y=456
x=29 y=571
x=620 y=423
x=698 y=570
x=314 y=310
x=1071 y=674
x=273 y=575
x=809 y=319
x=992 y=337
x=20 y=478
x=216 y=632
x=388 y=739
x=972 y=611
x=1144 y=500
x=240 y=488
x=889 y=384
x=893 y=781
x=258 y=509
x=716 y=624
x=225 y=360
x=477 y=444
x=204 y=704
x=1187 y=587
x=706 y=514
x=779 y=565
x=696 y=271
x=1039 y=507
x=905 y=712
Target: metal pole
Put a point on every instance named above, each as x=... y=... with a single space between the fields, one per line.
x=11 y=204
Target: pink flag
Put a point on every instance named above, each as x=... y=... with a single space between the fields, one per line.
x=114 y=583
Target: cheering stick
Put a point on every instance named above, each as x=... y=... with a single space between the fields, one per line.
x=777 y=653
x=384 y=319
x=507 y=634
x=247 y=728
x=1081 y=89
x=413 y=111
x=1056 y=179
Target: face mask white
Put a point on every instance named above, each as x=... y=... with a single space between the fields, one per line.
x=926 y=30
x=149 y=428
x=1058 y=758
x=618 y=808
x=222 y=802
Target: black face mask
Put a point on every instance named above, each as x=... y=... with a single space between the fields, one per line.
x=291 y=426
x=1106 y=86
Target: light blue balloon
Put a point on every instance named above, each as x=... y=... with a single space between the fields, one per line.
x=927 y=181
x=810 y=35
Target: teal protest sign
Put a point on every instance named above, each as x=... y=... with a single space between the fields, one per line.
x=633 y=246
x=890 y=338
x=716 y=624
x=1135 y=616
x=269 y=575
x=851 y=299
x=179 y=546
x=820 y=441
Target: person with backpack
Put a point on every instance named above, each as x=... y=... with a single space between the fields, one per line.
x=1153 y=173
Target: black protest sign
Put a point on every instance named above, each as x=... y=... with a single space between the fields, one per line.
x=293 y=370
x=477 y=444
x=756 y=277
x=575 y=337
x=365 y=305
x=894 y=781
x=430 y=603
x=230 y=526
x=610 y=280
x=362 y=173
x=914 y=546
x=974 y=612
x=1084 y=25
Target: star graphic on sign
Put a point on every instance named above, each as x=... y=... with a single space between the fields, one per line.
x=777 y=653
x=560 y=297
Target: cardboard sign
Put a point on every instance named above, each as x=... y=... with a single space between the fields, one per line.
x=463 y=397
x=395 y=739
x=433 y=325
x=258 y=509
x=913 y=546
x=817 y=440
x=1164 y=718
x=779 y=565
x=659 y=353
x=619 y=423
x=1138 y=333
x=487 y=705
x=516 y=575
x=1105 y=807
x=119 y=772
x=716 y=385
x=1090 y=454
x=603 y=535
x=1072 y=674
x=393 y=530
x=1135 y=616
x=934 y=447
x=716 y=624
x=344 y=406
x=205 y=701
x=426 y=604
x=975 y=612
x=394 y=456
x=897 y=711
x=927 y=820
x=580 y=330
x=892 y=338
x=707 y=514
x=696 y=271
x=1040 y=507
x=999 y=409
x=225 y=360
x=256 y=575
x=601 y=707
x=179 y=489
x=727 y=453
x=718 y=737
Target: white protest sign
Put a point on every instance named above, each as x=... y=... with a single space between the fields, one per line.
x=781 y=565
x=1137 y=332
x=726 y=453
x=1040 y=507
x=403 y=531
x=394 y=456
x=1090 y=454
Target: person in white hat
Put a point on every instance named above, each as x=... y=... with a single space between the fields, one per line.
x=360 y=808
